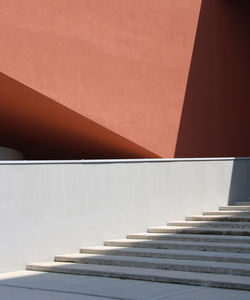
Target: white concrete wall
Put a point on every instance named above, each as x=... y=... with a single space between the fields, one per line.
x=50 y=209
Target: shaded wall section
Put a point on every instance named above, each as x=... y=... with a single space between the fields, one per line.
x=240 y=181
x=215 y=116
x=41 y=128
x=121 y=64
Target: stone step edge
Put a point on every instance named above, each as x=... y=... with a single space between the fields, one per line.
x=226 y=213
x=239 y=225
x=169 y=253
x=158 y=263
x=180 y=245
x=242 y=203
x=234 y=207
x=203 y=230
x=196 y=237
x=222 y=218
x=191 y=278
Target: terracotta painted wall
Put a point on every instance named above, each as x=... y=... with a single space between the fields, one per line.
x=121 y=64
x=43 y=129
x=141 y=71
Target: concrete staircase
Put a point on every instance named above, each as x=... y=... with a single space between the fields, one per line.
x=208 y=250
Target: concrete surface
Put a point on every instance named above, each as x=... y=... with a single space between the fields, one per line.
x=29 y=285
x=158 y=263
x=169 y=253
x=124 y=272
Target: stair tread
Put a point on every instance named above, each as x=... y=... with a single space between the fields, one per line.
x=152 y=242
x=113 y=249
x=220 y=218
x=160 y=261
x=179 y=236
x=200 y=229
x=167 y=226
x=219 y=280
x=210 y=223
x=227 y=212
x=240 y=203
x=234 y=207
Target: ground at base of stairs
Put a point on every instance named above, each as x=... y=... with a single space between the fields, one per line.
x=29 y=285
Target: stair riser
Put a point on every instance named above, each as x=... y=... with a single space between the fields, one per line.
x=215 y=225
x=238 y=208
x=185 y=255
x=190 y=231
x=189 y=239
x=161 y=266
x=178 y=247
x=217 y=219
x=166 y=255
x=209 y=283
x=226 y=213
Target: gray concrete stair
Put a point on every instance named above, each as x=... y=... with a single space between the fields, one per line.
x=219 y=218
x=242 y=203
x=212 y=249
x=190 y=237
x=240 y=225
x=158 y=263
x=226 y=212
x=168 y=253
x=193 y=278
x=234 y=207
x=199 y=230
x=181 y=245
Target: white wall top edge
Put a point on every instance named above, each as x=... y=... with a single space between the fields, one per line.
x=112 y=161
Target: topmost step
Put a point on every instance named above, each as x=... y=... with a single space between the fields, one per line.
x=243 y=203
x=233 y=208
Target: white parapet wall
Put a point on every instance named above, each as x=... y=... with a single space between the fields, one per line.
x=53 y=207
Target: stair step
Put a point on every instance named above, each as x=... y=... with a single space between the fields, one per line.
x=169 y=253
x=190 y=237
x=234 y=207
x=219 y=218
x=180 y=245
x=241 y=225
x=158 y=263
x=201 y=279
x=199 y=230
x=212 y=249
x=226 y=212
x=242 y=203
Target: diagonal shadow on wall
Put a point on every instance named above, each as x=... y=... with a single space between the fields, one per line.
x=41 y=128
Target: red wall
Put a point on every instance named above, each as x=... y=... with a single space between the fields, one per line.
x=125 y=68
x=41 y=128
x=121 y=64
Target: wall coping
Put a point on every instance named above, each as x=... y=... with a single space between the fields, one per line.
x=114 y=161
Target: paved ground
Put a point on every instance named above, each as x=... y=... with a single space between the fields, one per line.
x=28 y=285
